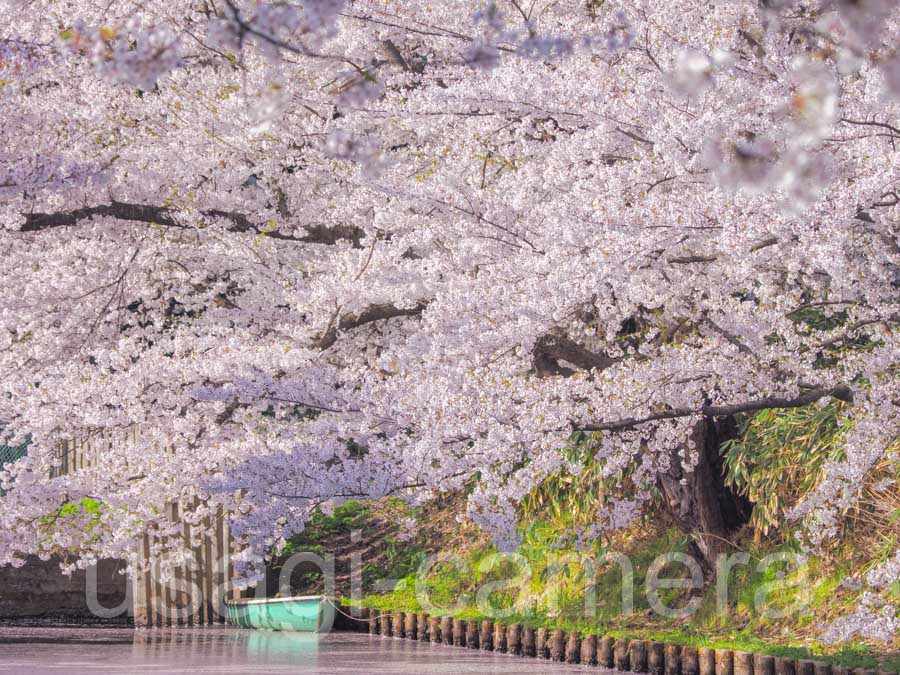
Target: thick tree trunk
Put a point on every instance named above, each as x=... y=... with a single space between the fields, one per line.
x=699 y=500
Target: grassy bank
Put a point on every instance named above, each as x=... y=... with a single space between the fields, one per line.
x=549 y=582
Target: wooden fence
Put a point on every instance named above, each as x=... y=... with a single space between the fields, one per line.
x=196 y=594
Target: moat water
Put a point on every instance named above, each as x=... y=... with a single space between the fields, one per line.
x=33 y=651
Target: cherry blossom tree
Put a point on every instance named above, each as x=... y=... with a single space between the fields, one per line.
x=281 y=255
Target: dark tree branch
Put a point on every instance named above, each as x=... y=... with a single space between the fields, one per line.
x=841 y=392
x=635 y=137
x=732 y=339
x=765 y=243
x=368 y=315
x=852 y=328
x=161 y=215
x=881 y=125
x=555 y=347
x=690 y=259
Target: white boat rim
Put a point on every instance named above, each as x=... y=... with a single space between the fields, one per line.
x=271 y=601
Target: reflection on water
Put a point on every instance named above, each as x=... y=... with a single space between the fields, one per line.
x=233 y=645
x=265 y=645
x=234 y=650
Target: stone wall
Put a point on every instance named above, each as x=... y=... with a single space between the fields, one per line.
x=40 y=590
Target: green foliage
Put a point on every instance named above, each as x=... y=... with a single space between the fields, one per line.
x=323 y=527
x=542 y=581
x=826 y=318
x=83 y=505
x=570 y=499
x=817 y=319
x=82 y=516
x=566 y=496
x=777 y=458
x=401 y=560
x=779 y=455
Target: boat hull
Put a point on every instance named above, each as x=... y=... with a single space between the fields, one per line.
x=310 y=614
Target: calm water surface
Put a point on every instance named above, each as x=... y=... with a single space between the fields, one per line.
x=31 y=651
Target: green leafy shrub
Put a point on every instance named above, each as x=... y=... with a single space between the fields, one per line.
x=779 y=455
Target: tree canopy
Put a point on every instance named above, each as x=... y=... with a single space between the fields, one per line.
x=285 y=254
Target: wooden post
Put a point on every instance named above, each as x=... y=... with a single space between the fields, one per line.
x=140 y=589
x=529 y=644
x=785 y=666
x=199 y=616
x=605 y=655
x=820 y=668
x=472 y=634
x=542 y=643
x=363 y=624
x=192 y=576
x=589 y=650
x=499 y=638
x=514 y=639
x=398 y=625
x=573 y=647
x=385 y=623
x=690 y=661
x=157 y=598
x=486 y=637
x=656 y=658
x=374 y=624
x=764 y=665
x=743 y=663
x=423 y=627
x=620 y=655
x=558 y=645
x=220 y=565
x=411 y=625
x=638 y=656
x=459 y=632
x=707 y=661
x=206 y=573
x=174 y=614
x=724 y=662
x=447 y=630
x=673 y=659
x=434 y=628
x=806 y=667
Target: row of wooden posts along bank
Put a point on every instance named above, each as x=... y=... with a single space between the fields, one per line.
x=636 y=656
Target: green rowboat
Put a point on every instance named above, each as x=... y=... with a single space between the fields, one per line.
x=308 y=613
